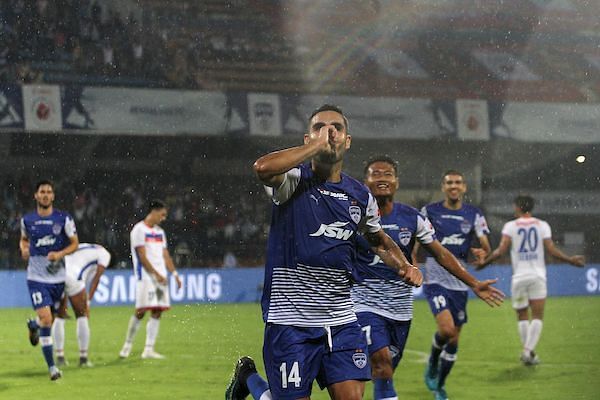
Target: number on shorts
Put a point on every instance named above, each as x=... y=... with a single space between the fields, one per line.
x=293 y=377
x=151 y=296
x=367 y=330
x=37 y=298
x=440 y=301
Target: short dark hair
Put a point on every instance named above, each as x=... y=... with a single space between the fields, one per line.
x=381 y=158
x=156 y=204
x=525 y=203
x=452 y=172
x=44 y=182
x=330 y=107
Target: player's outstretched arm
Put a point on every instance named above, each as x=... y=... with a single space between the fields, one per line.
x=576 y=260
x=483 y=289
x=494 y=255
x=271 y=167
x=391 y=255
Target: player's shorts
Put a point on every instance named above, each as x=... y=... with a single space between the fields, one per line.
x=383 y=332
x=294 y=357
x=73 y=286
x=527 y=288
x=440 y=299
x=45 y=294
x=151 y=296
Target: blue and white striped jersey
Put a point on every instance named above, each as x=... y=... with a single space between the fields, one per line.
x=381 y=290
x=311 y=248
x=455 y=229
x=46 y=234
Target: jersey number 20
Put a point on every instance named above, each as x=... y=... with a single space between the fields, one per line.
x=529 y=240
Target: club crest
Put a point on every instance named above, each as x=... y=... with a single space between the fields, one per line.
x=56 y=228
x=360 y=360
x=355 y=213
x=404 y=238
x=465 y=226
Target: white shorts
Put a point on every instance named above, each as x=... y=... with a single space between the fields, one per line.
x=73 y=286
x=527 y=288
x=151 y=296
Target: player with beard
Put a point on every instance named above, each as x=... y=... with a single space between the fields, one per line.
x=456 y=226
x=384 y=303
x=311 y=329
x=47 y=236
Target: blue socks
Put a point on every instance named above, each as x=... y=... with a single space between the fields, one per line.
x=448 y=358
x=46 y=341
x=384 y=389
x=257 y=385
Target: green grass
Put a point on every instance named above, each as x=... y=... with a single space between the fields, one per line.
x=202 y=343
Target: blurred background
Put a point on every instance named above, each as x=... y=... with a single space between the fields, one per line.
x=122 y=101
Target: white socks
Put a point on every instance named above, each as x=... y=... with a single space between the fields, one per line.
x=58 y=332
x=152 y=332
x=83 y=335
x=523 y=326
x=134 y=325
x=266 y=396
x=533 y=334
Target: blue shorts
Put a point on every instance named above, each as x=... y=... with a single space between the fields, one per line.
x=45 y=294
x=383 y=332
x=441 y=299
x=294 y=357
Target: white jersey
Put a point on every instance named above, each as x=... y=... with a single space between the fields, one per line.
x=527 y=250
x=83 y=262
x=154 y=240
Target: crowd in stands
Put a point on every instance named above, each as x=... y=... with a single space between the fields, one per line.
x=211 y=224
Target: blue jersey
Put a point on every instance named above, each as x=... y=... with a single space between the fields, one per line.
x=311 y=248
x=456 y=230
x=46 y=234
x=381 y=290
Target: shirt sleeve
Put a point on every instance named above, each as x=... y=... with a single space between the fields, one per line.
x=23 y=229
x=425 y=232
x=372 y=218
x=70 y=229
x=103 y=257
x=164 y=239
x=507 y=229
x=545 y=231
x=137 y=237
x=284 y=192
x=481 y=227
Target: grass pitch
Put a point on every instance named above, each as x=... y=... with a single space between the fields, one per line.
x=202 y=342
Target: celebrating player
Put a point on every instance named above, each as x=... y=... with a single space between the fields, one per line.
x=47 y=236
x=525 y=236
x=455 y=223
x=383 y=303
x=311 y=329
x=84 y=268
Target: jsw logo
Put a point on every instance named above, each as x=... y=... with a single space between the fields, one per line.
x=334 y=230
x=47 y=240
x=376 y=260
x=453 y=240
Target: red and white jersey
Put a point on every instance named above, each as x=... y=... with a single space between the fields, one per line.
x=154 y=240
x=527 y=250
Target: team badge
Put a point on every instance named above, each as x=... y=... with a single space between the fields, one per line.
x=404 y=238
x=465 y=226
x=360 y=360
x=355 y=213
x=56 y=228
x=394 y=351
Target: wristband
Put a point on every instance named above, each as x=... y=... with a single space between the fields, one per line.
x=175 y=274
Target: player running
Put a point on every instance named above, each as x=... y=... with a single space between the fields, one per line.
x=383 y=302
x=151 y=261
x=456 y=224
x=47 y=236
x=528 y=238
x=311 y=329
x=84 y=268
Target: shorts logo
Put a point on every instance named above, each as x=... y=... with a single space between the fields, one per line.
x=404 y=238
x=360 y=360
x=461 y=315
x=465 y=227
x=56 y=228
x=355 y=213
